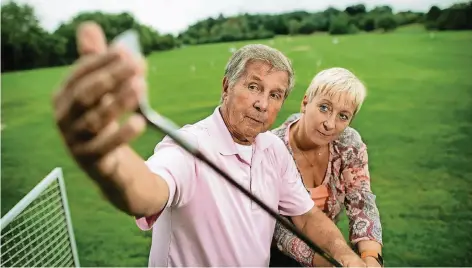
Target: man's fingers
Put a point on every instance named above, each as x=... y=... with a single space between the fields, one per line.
x=90 y=39
x=63 y=98
x=90 y=89
x=89 y=64
x=103 y=85
x=111 y=106
x=112 y=138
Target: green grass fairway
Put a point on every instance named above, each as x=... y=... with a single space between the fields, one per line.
x=417 y=122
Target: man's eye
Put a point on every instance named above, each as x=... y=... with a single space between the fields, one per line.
x=276 y=96
x=253 y=87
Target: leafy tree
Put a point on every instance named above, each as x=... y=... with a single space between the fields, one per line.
x=387 y=22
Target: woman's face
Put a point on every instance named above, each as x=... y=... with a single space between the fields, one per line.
x=326 y=117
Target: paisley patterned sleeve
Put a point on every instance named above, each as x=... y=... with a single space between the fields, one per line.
x=292 y=246
x=361 y=209
x=285 y=240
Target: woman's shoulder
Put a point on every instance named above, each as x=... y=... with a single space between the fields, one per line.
x=349 y=139
x=351 y=148
x=281 y=130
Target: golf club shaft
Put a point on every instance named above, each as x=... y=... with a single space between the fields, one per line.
x=167 y=127
x=130 y=40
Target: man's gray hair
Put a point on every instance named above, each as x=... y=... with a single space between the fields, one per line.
x=237 y=64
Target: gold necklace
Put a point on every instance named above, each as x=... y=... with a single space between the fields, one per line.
x=292 y=140
x=306 y=158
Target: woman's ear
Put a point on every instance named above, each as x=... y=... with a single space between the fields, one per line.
x=303 y=104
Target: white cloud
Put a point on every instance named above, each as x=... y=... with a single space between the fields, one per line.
x=174 y=16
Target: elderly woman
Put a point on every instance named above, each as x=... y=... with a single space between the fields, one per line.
x=332 y=160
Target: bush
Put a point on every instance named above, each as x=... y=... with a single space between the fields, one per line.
x=308 y=26
x=431 y=18
x=339 y=24
x=405 y=18
x=456 y=18
x=431 y=25
x=352 y=29
x=368 y=24
x=387 y=23
x=294 y=27
x=433 y=13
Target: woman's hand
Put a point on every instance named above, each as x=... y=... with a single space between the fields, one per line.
x=371 y=262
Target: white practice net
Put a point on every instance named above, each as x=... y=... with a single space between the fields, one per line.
x=38 y=232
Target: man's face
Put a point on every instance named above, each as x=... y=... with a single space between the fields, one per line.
x=251 y=106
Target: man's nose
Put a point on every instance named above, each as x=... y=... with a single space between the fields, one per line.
x=261 y=103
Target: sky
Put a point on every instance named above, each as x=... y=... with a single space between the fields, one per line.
x=174 y=16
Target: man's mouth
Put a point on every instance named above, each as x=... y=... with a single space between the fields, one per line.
x=255 y=120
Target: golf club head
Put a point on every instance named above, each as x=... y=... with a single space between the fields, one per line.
x=130 y=40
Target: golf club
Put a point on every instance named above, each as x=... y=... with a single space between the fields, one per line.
x=130 y=40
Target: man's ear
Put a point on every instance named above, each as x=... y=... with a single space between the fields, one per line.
x=303 y=104
x=225 y=88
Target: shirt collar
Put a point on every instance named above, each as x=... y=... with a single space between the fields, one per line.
x=223 y=139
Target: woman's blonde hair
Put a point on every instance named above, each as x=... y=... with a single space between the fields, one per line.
x=337 y=80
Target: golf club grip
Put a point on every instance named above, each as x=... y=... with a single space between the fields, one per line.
x=194 y=151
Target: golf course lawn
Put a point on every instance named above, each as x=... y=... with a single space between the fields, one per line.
x=416 y=121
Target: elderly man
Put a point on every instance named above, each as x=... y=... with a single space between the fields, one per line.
x=203 y=220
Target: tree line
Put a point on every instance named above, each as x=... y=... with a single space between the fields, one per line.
x=26 y=45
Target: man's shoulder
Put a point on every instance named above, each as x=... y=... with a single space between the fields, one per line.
x=273 y=139
x=191 y=133
x=280 y=131
x=276 y=148
x=196 y=129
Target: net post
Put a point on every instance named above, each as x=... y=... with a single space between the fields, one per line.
x=65 y=204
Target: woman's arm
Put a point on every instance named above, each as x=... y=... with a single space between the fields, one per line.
x=365 y=229
x=292 y=246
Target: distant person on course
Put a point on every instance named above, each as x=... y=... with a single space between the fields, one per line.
x=332 y=160
x=210 y=222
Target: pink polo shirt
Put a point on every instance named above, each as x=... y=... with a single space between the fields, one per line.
x=207 y=221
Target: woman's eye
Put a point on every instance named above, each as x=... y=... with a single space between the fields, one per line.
x=344 y=117
x=324 y=108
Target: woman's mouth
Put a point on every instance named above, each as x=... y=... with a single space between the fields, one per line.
x=322 y=134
